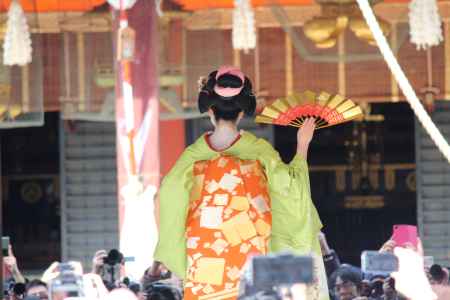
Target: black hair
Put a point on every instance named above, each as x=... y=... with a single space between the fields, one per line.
x=348 y=273
x=162 y=291
x=227 y=108
x=36 y=282
x=19 y=289
x=437 y=273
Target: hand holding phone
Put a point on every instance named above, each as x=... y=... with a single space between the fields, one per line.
x=5 y=246
x=405 y=235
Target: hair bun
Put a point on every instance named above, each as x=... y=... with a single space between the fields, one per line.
x=244 y=101
x=229 y=81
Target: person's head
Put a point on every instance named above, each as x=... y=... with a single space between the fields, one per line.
x=347 y=283
x=38 y=289
x=366 y=288
x=438 y=275
x=389 y=288
x=376 y=286
x=227 y=96
x=120 y=294
x=162 y=291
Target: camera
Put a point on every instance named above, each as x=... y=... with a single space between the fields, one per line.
x=114 y=257
x=66 y=284
x=111 y=269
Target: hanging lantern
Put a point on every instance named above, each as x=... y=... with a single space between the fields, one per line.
x=244 y=36
x=127 y=4
x=17 y=43
x=424 y=23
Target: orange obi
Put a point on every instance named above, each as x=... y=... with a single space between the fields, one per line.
x=229 y=220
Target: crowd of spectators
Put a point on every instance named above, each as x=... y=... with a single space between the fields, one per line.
x=347 y=282
x=413 y=281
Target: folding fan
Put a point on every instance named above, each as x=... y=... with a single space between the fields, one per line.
x=326 y=109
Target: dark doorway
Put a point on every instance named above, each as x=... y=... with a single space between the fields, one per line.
x=30 y=185
x=358 y=214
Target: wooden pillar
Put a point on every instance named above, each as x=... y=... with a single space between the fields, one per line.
x=136 y=193
x=172 y=133
x=257 y=88
x=81 y=72
x=237 y=58
x=394 y=45
x=289 y=65
x=25 y=70
x=341 y=64
x=447 y=59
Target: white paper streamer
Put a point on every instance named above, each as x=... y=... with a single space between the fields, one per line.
x=17 y=44
x=127 y=4
x=243 y=35
x=424 y=23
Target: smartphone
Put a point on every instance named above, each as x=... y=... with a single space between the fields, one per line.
x=67 y=284
x=282 y=269
x=376 y=263
x=405 y=234
x=5 y=246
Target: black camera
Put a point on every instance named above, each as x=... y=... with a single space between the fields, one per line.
x=111 y=269
x=114 y=257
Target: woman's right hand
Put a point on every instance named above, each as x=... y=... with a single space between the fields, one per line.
x=304 y=136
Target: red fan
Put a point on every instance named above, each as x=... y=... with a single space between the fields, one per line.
x=294 y=110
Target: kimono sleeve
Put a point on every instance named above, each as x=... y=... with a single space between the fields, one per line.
x=173 y=209
x=295 y=221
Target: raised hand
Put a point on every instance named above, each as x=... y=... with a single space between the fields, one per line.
x=10 y=263
x=411 y=280
x=304 y=137
x=97 y=261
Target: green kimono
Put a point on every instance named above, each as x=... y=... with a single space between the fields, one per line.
x=295 y=221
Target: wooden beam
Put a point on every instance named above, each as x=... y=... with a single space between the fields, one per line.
x=222 y=18
x=298 y=15
x=59 y=22
x=54 y=22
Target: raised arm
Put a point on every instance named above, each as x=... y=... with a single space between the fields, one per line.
x=304 y=137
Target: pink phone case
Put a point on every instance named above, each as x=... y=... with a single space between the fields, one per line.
x=404 y=234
